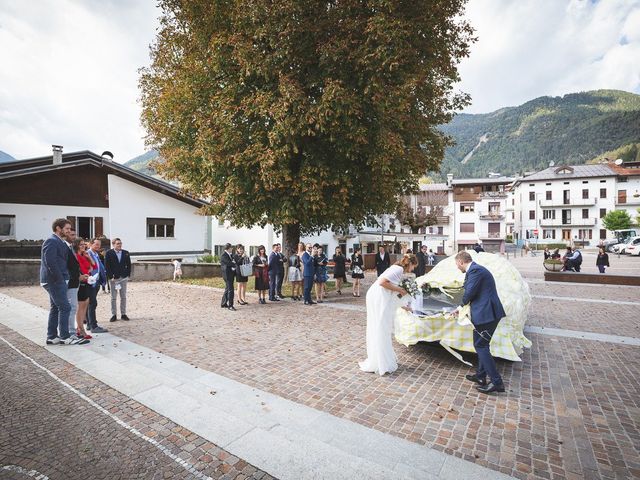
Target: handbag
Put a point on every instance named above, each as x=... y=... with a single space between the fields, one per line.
x=246 y=270
x=357 y=270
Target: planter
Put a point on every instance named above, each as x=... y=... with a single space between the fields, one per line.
x=553 y=266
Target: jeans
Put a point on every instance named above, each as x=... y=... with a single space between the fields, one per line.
x=59 y=311
x=123 y=296
x=72 y=296
x=308 y=285
x=601 y=268
x=481 y=340
x=92 y=322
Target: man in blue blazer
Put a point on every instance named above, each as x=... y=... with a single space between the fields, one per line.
x=486 y=312
x=54 y=277
x=274 y=270
x=308 y=274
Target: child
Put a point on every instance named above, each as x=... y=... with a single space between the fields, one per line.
x=177 y=270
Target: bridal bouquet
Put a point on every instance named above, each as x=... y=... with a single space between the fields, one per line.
x=410 y=285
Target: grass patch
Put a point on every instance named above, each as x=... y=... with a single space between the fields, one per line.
x=218 y=282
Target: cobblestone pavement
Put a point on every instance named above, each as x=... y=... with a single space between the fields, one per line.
x=47 y=429
x=572 y=407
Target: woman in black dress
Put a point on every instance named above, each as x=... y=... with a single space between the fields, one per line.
x=357 y=271
x=261 y=272
x=602 y=260
x=241 y=258
x=339 y=269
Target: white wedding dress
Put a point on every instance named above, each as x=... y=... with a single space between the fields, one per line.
x=381 y=308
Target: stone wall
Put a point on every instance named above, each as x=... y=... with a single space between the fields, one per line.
x=27 y=271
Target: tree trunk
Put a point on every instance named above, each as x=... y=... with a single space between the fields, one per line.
x=290 y=238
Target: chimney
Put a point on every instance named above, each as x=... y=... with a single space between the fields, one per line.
x=57 y=154
x=449 y=179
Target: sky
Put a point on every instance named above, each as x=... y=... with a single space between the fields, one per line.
x=69 y=71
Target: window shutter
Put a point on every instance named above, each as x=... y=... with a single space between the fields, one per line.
x=97 y=226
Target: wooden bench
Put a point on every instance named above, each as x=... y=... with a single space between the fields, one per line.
x=604 y=278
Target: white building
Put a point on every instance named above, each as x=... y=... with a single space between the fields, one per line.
x=566 y=204
x=480 y=212
x=100 y=197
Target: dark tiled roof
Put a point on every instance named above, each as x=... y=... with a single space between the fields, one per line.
x=573 y=171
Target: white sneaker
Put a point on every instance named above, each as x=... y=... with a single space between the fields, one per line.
x=53 y=341
x=74 y=340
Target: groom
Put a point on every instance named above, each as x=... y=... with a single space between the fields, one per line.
x=486 y=313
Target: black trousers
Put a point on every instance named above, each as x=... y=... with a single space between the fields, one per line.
x=279 y=280
x=92 y=321
x=227 y=297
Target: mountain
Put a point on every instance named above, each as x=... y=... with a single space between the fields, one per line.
x=141 y=163
x=572 y=129
x=5 y=157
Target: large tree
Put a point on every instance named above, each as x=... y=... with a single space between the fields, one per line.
x=617 y=220
x=306 y=115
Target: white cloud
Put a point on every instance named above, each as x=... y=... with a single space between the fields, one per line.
x=530 y=48
x=70 y=75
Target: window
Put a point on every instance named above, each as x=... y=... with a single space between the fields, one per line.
x=467 y=207
x=603 y=181
x=603 y=234
x=548 y=184
x=467 y=227
x=532 y=214
x=7 y=226
x=584 y=234
x=603 y=212
x=549 y=234
x=585 y=181
x=622 y=179
x=622 y=196
x=218 y=250
x=585 y=193
x=253 y=250
x=585 y=213
x=161 y=227
x=532 y=196
x=549 y=195
x=440 y=230
x=549 y=214
x=603 y=193
x=532 y=184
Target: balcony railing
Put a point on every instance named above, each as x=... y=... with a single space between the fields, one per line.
x=558 y=222
x=491 y=215
x=491 y=235
x=583 y=202
x=442 y=220
x=493 y=194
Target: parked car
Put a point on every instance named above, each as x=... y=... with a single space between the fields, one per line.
x=633 y=249
x=620 y=236
x=622 y=247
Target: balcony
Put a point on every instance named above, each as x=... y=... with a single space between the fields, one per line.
x=442 y=220
x=583 y=202
x=579 y=222
x=493 y=194
x=491 y=215
x=491 y=235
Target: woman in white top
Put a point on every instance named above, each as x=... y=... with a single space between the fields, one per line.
x=382 y=302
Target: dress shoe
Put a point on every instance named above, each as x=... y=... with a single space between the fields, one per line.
x=224 y=306
x=475 y=379
x=113 y=319
x=490 y=387
x=124 y=317
x=232 y=308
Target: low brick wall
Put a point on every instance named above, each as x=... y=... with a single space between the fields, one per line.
x=27 y=271
x=602 y=278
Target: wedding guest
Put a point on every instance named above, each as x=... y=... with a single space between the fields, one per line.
x=382 y=260
x=547 y=253
x=486 y=312
x=74 y=281
x=241 y=258
x=431 y=258
x=556 y=254
x=381 y=307
x=228 y=267
x=421 y=256
x=92 y=319
x=357 y=270
x=295 y=272
x=261 y=272
x=339 y=269
x=602 y=260
x=118 y=265
x=282 y=259
x=308 y=273
x=274 y=268
x=478 y=247
x=86 y=263
x=321 y=262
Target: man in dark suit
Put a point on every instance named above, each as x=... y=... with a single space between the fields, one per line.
x=274 y=270
x=486 y=312
x=54 y=277
x=228 y=266
x=280 y=278
x=308 y=274
x=382 y=260
x=118 y=266
x=422 y=258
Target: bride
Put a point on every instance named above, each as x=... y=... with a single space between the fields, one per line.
x=382 y=302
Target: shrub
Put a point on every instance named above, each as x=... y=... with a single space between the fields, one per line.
x=208 y=258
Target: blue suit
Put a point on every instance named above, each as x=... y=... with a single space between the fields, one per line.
x=54 y=276
x=486 y=313
x=309 y=273
x=274 y=272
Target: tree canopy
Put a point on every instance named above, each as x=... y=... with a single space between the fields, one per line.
x=617 y=220
x=306 y=115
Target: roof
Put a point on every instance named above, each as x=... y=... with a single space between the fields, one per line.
x=434 y=187
x=569 y=171
x=625 y=169
x=39 y=165
x=482 y=181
